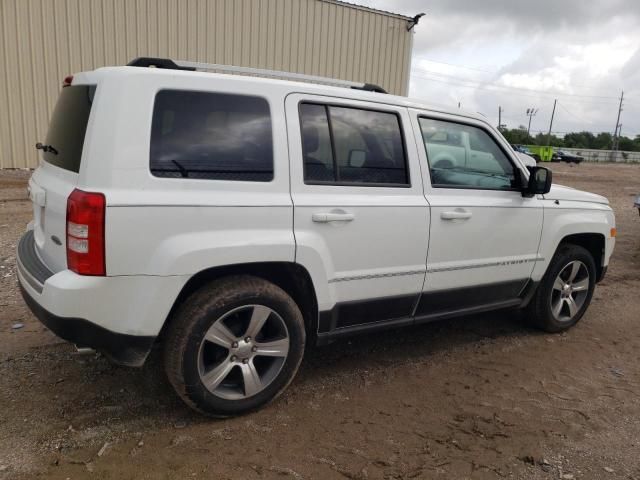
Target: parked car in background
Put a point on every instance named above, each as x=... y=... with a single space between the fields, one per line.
x=525 y=150
x=236 y=220
x=562 y=156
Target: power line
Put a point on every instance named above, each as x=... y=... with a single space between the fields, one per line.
x=466 y=67
x=572 y=114
x=457 y=65
x=482 y=85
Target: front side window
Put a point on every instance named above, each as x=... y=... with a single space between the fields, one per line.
x=352 y=146
x=463 y=156
x=212 y=136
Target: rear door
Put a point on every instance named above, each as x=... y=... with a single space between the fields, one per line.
x=360 y=213
x=56 y=177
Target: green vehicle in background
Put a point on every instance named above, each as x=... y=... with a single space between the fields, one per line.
x=540 y=153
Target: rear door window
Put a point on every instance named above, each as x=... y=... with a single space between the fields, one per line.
x=352 y=146
x=211 y=136
x=68 y=126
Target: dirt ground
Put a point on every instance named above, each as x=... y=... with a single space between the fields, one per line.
x=476 y=397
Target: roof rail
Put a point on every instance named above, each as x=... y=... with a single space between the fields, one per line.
x=215 y=67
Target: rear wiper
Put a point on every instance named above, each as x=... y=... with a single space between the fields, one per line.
x=46 y=148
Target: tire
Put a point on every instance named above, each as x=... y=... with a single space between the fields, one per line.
x=551 y=292
x=217 y=376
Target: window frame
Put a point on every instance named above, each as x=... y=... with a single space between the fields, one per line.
x=486 y=130
x=326 y=106
x=214 y=92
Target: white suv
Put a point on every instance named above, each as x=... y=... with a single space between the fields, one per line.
x=237 y=219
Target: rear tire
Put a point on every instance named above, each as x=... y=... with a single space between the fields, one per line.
x=565 y=292
x=234 y=345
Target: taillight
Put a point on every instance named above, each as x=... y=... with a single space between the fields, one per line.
x=85 y=233
x=67 y=81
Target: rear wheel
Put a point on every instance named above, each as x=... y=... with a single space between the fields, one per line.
x=234 y=345
x=565 y=292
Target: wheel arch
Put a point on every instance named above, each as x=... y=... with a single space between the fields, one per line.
x=594 y=243
x=293 y=278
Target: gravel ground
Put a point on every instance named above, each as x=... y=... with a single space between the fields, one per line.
x=476 y=397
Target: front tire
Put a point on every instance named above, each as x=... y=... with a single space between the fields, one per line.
x=565 y=292
x=234 y=345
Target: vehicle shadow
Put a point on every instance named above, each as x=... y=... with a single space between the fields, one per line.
x=91 y=391
x=413 y=343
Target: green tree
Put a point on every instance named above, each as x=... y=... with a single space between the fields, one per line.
x=628 y=145
x=579 y=140
x=603 y=141
x=517 y=136
x=541 y=139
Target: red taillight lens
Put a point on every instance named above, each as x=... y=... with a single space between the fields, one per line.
x=85 y=233
x=67 y=81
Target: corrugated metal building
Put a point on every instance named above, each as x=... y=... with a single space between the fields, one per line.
x=42 y=41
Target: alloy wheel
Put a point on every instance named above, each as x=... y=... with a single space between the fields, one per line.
x=570 y=291
x=243 y=352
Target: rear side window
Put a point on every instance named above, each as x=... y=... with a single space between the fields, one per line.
x=211 y=136
x=68 y=126
x=352 y=146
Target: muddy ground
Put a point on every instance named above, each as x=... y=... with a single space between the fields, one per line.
x=476 y=397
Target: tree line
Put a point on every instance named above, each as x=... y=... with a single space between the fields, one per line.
x=601 y=141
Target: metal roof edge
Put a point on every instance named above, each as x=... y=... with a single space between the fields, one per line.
x=343 y=3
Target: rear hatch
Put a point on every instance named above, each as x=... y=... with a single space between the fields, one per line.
x=57 y=176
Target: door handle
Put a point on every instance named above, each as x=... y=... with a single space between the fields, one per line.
x=457 y=214
x=332 y=217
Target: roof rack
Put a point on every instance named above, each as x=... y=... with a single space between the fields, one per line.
x=167 y=63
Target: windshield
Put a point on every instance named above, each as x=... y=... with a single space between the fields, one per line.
x=68 y=126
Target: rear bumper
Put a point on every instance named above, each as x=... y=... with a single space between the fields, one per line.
x=130 y=350
x=118 y=316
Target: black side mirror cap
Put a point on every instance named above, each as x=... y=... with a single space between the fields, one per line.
x=540 y=179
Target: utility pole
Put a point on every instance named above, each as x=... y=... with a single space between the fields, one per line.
x=551 y=122
x=499 y=117
x=531 y=112
x=616 y=135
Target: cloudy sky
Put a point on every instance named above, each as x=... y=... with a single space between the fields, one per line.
x=521 y=54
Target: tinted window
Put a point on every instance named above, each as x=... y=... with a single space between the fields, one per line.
x=316 y=144
x=465 y=157
x=346 y=145
x=68 y=126
x=211 y=136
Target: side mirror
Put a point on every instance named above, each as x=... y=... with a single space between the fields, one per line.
x=539 y=181
x=357 y=158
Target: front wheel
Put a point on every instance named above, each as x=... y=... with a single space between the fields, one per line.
x=565 y=292
x=234 y=345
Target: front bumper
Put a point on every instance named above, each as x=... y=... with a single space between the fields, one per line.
x=118 y=316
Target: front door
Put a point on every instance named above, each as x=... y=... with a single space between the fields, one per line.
x=484 y=233
x=360 y=215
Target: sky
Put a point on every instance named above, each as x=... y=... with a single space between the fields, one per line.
x=524 y=54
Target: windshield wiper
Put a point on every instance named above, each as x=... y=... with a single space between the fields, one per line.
x=46 y=148
x=183 y=171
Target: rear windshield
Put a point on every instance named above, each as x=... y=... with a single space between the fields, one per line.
x=68 y=126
